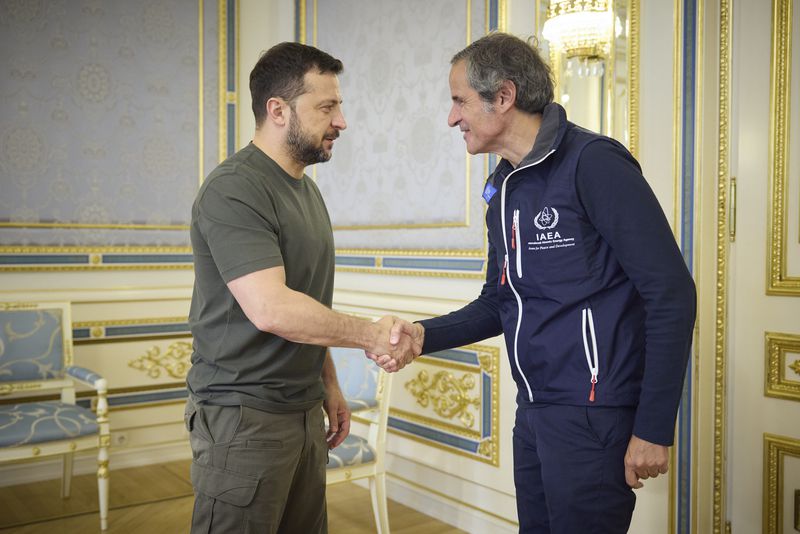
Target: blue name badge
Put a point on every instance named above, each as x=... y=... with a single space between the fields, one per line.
x=488 y=192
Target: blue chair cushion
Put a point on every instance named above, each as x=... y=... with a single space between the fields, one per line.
x=358 y=377
x=40 y=422
x=353 y=451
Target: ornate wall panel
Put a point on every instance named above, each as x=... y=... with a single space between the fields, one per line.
x=404 y=196
x=112 y=115
x=782 y=366
x=145 y=360
x=450 y=400
x=783 y=258
x=781 y=481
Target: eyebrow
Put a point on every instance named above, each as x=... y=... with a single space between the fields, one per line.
x=330 y=102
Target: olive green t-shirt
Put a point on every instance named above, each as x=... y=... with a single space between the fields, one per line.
x=250 y=215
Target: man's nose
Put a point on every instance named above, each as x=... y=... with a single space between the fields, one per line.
x=338 y=122
x=454 y=117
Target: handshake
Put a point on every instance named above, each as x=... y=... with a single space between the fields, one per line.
x=395 y=343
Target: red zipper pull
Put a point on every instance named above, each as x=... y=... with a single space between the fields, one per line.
x=514 y=235
x=591 y=393
x=503 y=278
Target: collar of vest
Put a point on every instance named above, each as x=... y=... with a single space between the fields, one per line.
x=551 y=132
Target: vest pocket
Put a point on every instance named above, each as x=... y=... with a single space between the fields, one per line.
x=590 y=348
x=516 y=241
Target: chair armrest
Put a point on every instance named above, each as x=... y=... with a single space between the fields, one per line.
x=87 y=376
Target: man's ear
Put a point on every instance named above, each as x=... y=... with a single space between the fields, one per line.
x=277 y=111
x=506 y=96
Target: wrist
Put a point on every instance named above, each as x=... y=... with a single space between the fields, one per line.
x=420 y=334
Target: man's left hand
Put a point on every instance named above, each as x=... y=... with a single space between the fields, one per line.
x=644 y=460
x=338 y=416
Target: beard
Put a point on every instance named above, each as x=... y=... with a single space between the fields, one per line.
x=303 y=148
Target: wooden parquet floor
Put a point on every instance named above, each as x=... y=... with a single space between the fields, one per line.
x=157 y=499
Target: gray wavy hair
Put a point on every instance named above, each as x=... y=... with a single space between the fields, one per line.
x=499 y=56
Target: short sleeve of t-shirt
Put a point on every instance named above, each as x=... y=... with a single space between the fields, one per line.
x=240 y=227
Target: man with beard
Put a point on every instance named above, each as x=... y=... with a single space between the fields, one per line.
x=260 y=313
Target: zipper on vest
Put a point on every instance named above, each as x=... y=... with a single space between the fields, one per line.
x=503 y=275
x=505 y=266
x=516 y=236
x=592 y=359
x=514 y=232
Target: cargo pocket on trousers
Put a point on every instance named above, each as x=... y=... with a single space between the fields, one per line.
x=223 y=485
x=188 y=416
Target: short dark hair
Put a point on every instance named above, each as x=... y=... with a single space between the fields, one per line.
x=280 y=70
x=497 y=57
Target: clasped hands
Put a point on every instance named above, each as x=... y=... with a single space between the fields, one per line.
x=395 y=343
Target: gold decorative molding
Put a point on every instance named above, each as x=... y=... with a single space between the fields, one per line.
x=502 y=15
x=5 y=306
x=633 y=77
x=779 y=282
x=447 y=395
x=448 y=253
x=91 y=226
x=102 y=469
x=200 y=108
x=174 y=362
x=721 y=294
x=777 y=384
x=486 y=448
x=9 y=388
x=88 y=267
x=129 y=322
x=222 y=65
x=776 y=449
x=409 y=272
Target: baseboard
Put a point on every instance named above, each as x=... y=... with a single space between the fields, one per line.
x=446 y=510
x=121 y=458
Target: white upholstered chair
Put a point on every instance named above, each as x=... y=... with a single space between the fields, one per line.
x=36 y=357
x=367 y=391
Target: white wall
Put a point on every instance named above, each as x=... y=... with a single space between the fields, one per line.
x=262 y=24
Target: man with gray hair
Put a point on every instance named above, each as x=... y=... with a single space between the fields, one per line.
x=585 y=280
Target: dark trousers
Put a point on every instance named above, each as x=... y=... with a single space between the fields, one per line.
x=569 y=471
x=257 y=472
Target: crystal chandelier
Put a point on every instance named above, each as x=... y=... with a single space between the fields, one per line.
x=579 y=28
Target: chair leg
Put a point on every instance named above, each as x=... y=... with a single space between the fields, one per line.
x=66 y=474
x=102 y=485
x=377 y=490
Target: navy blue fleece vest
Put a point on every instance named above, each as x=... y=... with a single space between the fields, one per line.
x=570 y=314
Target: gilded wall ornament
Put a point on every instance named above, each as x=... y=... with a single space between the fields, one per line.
x=174 y=362
x=449 y=396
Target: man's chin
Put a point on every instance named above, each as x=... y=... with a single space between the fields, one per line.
x=324 y=155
